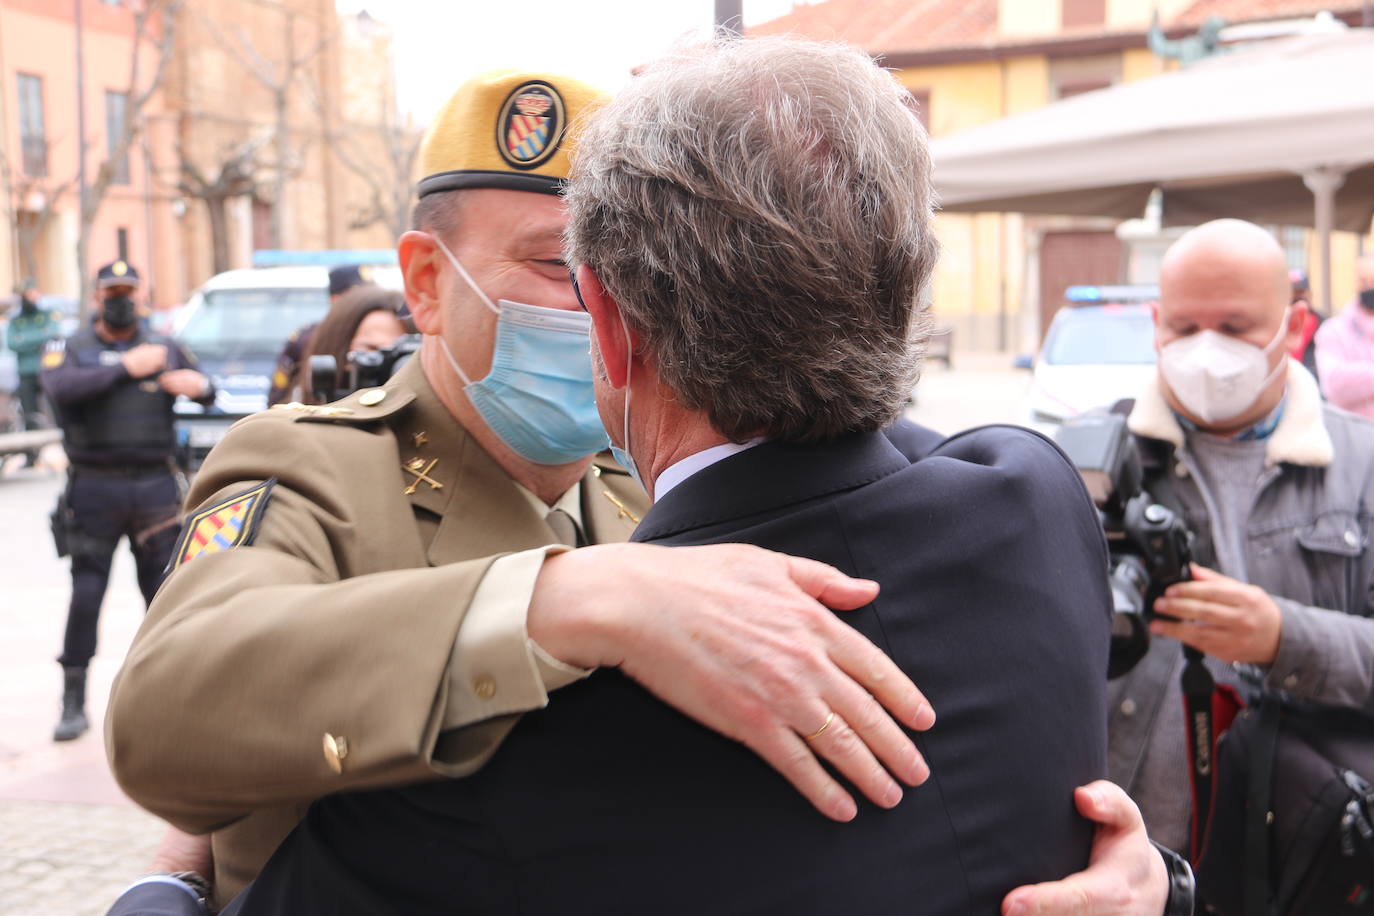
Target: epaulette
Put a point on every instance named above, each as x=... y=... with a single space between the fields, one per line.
x=367 y=405
x=604 y=463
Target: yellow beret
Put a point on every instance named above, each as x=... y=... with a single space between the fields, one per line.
x=505 y=129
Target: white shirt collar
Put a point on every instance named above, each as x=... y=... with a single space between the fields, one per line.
x=679 y=471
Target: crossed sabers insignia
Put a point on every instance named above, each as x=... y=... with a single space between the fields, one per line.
x=623 y=511
x=421 y=471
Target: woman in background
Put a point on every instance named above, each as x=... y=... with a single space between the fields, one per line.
x=365 y=318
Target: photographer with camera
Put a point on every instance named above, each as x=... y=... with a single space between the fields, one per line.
x=366 y=320
x=1275 y=486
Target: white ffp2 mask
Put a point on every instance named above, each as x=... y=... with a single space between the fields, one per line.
x=1217 y=378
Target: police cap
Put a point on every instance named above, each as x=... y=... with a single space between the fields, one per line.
x=117 y=273
x=345 y=277
x=505 y=129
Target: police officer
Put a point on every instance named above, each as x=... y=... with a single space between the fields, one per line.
x=341 y=279
x=114 y=385
x=28 y=331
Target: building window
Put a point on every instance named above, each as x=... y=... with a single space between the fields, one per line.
x=1079 y=13
x=122 y=243
x=116 y=110
x=32 y=137
x=922 y=97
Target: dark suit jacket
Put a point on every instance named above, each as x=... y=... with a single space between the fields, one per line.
x=992 y=566
x=156 y=900
x=912 y=439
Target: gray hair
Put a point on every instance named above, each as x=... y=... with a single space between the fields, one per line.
x=761 y=211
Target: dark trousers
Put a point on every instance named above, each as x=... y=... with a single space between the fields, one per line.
x=28 y=401
x=105 y=508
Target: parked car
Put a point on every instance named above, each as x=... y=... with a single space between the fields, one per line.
x=236 y=325
x=1099 y=349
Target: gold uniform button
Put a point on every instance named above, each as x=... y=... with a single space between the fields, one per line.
x=335 y=751
x=484 y=687
x=372 y=397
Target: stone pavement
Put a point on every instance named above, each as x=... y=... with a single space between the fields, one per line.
x=69 y=839
x=70 y=859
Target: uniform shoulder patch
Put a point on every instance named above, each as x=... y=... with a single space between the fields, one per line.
x=54 y=354
x=231 y=522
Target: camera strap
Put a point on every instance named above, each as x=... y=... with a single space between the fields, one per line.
x=1209 y=709
x=1198 y=689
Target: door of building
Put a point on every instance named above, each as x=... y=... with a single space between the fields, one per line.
x=1073 y=258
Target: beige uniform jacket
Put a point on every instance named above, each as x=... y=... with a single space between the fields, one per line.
x=343 y=648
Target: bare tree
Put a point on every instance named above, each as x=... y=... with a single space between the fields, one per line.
x=389 y=187
x=279 y=78
x=383 y=156
x=235 y=177
x=147 y=15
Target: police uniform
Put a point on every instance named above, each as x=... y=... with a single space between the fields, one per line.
x=28 y=330
x=347 y=604
x=119 y=437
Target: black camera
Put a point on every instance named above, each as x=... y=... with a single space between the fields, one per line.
x=364 y=369
x=1150 y=546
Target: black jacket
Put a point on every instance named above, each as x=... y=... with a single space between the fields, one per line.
x=991 y=562
x=108 y=418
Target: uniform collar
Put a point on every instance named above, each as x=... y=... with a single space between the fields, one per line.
x=481 y=510
x=768 y=477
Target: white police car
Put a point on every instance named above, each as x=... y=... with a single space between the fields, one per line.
x=237 y=323
x=1099 y=349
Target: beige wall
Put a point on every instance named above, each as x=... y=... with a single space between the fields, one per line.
x=1132 y=14
x=1028 y=17
x=1345 y=247
x=978 y=283
x=1141 y=63
x=1042 y=17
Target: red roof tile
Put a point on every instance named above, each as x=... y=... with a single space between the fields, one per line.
x=1234 y=11
x=896 y=26
x=891 y=25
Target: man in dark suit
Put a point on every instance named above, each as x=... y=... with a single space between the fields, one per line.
x=752 y=225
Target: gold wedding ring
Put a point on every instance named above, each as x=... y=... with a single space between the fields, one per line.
x=820 y=731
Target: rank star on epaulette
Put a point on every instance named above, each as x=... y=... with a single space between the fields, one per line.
x=231 y=522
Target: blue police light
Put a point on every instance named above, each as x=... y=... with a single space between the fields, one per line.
x=276 y=257
x=1114 y=295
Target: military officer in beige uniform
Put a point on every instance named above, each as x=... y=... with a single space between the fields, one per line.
x=371 y=592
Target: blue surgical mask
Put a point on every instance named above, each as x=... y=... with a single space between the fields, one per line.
x=538 y=397
x=622 y=455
